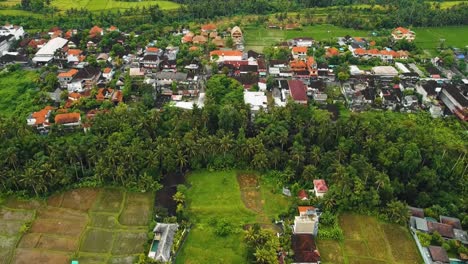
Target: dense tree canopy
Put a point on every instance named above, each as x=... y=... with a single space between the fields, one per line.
x=370 y=159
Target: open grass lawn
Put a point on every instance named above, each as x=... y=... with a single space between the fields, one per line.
x=429 y=38
x=222 y=195
x=260 y=37
x=82 y=223
x=369 y=241
x=17 y=91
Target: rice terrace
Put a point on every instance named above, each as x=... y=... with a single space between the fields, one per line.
x=89 y=225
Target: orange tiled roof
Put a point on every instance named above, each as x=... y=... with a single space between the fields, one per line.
x=152 y=49
x=113 y=28
x=40 y=116
x=333 y=52
x=101 y=95
x=107 y=70
x=299 y=49
x=74 y=96
x=74 y=52
x=402 y=30
x=303 y=209
x=69 y=73
x=226 y=53
x=208 y=27
x=194 y=48
x=298 y=65
x=67 y=118
x=94 y=31
x=187 y=38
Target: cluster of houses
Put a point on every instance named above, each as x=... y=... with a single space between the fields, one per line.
x=396 y=85
x=449 y=228
x=305 y=227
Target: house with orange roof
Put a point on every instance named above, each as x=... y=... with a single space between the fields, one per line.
x=299 y=52
x=109 y=94
x=40 y=119
x=95 y=32
x=312 y=66
x=112 y=29
x=74 y=96
x=152 y=51
x=307 y=221
x=65 y=77
x=199 y=39
x=331 y=52
x=73 y=55
x=187 y=39
x=108 y=73
x=208 y=28
x=70 y=33
x=226 y=55
x=400 y=33
x=298 y=65
x=68 y=119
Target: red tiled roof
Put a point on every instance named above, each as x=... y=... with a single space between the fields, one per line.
x=101 y=95
x=443 y=229
x=187 y=38
x=299 y=49
x=438 y=254
x=194 y=48
x=226 y=53
x=298 y=65
x=94 y=31
x=302 y=195
x=107 y=70
x=305 y=250
x=112 y=28
x=320 y=185
x=298 y=90
x=74 y=96
x=67 y=118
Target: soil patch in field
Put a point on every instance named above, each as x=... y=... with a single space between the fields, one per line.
x=109 y=201
x=129 y=243
x=58 y=227
x=15 y=215
x=250 y=193
x=29 y=240
x=61 y=213
x=55 y=200
x=92 y=259
x=137 y=209
x=107 y=221
x=57 y=243
x=123 y=260
x=10 y=228
x=80 y=199
x=97 y=241
x=23 y=256
x=15 y=203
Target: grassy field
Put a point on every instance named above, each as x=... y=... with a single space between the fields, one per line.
x=369 y=241
x=100 y=5
x=83 y=224
x=17 y=90
x=429 y=38
x=235 y=198
x=257 y=38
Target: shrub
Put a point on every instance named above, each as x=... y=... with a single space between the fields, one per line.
x=223 y=228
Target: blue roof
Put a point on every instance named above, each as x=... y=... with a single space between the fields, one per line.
x=74 y=262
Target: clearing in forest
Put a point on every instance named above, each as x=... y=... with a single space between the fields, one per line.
x=239 y=199
x=88 y=224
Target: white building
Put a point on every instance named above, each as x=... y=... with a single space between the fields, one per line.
x=257 y=100
x=226 y=55
x=16 y=31
x=384 y=71
x=46 y=53
x=307 y=221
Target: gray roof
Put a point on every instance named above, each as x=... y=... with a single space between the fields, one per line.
x=167 y=232
x=419 y=223
x=461 y=235
x=175 y=76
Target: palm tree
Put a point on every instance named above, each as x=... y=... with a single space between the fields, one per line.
x=381 y=179
x=225 y=143
x=181 y=160
x=398 y=212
